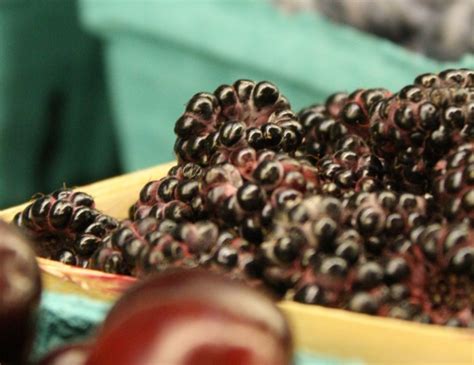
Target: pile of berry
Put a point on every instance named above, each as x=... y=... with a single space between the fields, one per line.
x=365 y=202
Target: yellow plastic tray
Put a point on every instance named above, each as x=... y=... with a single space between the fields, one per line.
x=316 y=329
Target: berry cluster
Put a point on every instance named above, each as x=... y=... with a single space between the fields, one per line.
x=66 y=226
x=374 y=253
x=365 y=202
x=240 y=194
x=244 y=114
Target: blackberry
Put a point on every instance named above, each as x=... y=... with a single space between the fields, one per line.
x=446 y=253
x=361 y=253
x=354 y=110
x=453 y=183
x=448 y=246
x=60 y=211
x=150 y=245
x=417 y=126
x=321 y=132
x=352 y=168
x=385 y=219
x=447 y=78
x=243 y=114
x=235 y=257
x=175 y=196
x=109 y=259
x=301 y=237
x=244 y=194
x=65 y=226
x=341 y=115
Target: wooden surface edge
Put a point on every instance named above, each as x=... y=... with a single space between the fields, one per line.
x=375 y=340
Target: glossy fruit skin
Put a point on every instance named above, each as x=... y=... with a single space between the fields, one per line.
x=175 y=196
x=370 y=253
x=71 y=354
x=150 y=245
x=65 y=226
x=332 y=207
x=448 y=245
x=275 y=180
x=245 y=114
x=421 y=123
x=354 y=110
x=20 y=290
x=453 y=184
x=152 y=314
x=235 y=258
x=352 y=168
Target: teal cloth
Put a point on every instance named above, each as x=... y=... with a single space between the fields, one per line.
x=161 y=52
x=68 y=318
x=55 y=123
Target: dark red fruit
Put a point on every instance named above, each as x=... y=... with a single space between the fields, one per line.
x=20 y=290
x=235 y=258
x=75 y=354
x=322 y=131
x=162 y=320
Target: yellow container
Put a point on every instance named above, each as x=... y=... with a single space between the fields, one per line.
x=332 y=332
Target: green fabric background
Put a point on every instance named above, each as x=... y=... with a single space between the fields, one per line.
x=55 y=124
x=159 y=53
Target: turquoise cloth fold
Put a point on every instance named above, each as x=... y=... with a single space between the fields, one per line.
x=68 y=318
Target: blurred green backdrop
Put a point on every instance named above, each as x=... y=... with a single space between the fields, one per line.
x=55 y=125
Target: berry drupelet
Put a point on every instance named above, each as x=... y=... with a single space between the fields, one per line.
x=240 y=194
x=341 y=115
x=448 y=246
x=243 y=114
x=385 y=219
x=149 y=245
